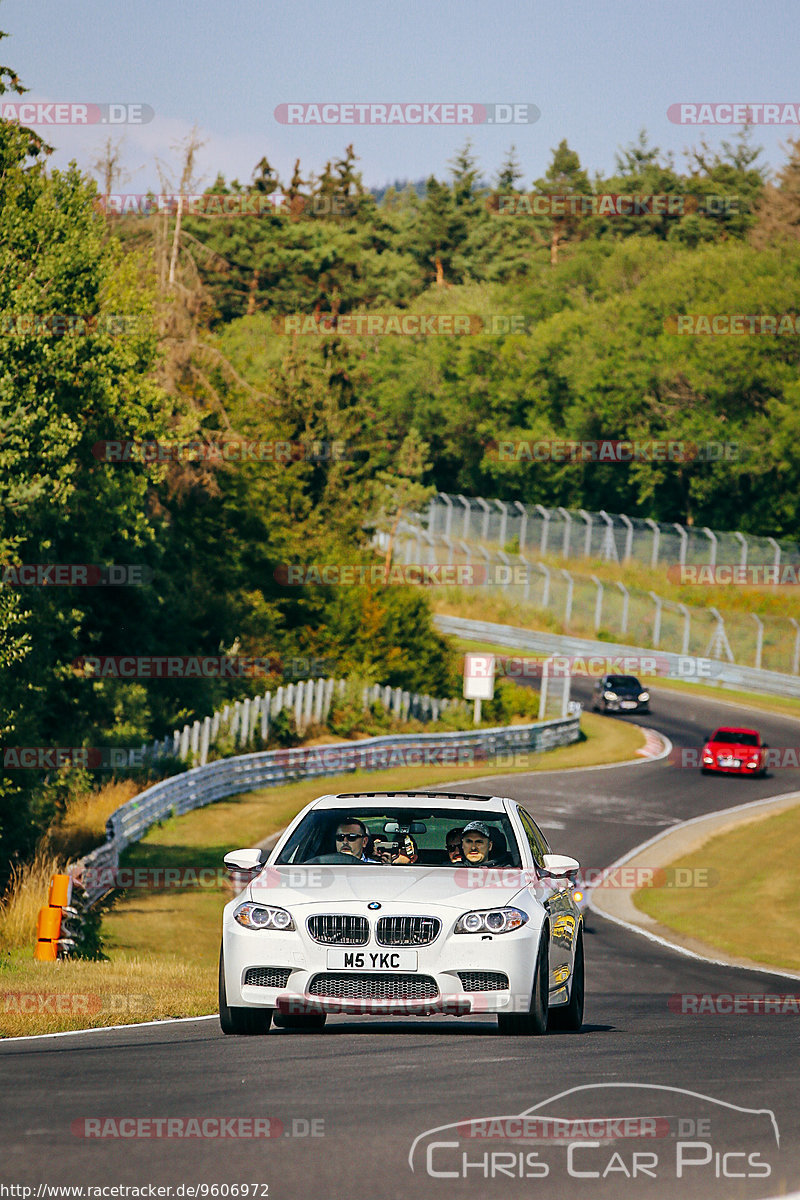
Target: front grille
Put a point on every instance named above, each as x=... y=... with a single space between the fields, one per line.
x=407 y=931
x=274 y=977
x=483 y=981
x=345 y=986
x=337 y=929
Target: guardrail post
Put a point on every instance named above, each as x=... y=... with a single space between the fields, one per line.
x=299 y=696
x=194 y=743
x=658 y=601
x=184 y=750
x=308 y=702
x=205 y=741
x=759 y=639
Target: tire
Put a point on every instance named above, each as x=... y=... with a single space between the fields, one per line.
x=534 y=1021
x=240 y=1020
x=300 y=1022
x=569 y=1019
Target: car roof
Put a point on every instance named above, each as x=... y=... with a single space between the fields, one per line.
x=411 y=800
x=733 y=729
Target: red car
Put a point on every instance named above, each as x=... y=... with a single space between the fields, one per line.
x=737 y=751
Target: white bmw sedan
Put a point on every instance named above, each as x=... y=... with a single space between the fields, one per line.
x=404 y=903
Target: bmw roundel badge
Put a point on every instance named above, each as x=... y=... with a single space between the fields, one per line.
x=373 y=905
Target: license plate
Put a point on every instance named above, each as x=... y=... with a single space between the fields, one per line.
x=727 y=761
x=629 y=704
x=372 y=960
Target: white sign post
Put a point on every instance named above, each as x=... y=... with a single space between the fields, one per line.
x=478 y=680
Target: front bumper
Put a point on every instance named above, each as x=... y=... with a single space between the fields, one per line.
x=512 y=955
x=625 y=704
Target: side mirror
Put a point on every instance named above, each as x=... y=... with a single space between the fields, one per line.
x=560 y=864
x=244 y=860
x=765 y=745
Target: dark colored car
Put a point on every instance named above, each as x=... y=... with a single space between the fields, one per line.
x=735 y=751
x=620 y=693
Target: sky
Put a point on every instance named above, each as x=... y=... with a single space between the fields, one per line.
x=598 y=73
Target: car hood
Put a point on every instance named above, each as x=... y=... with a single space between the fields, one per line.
x=322 y=886
x=732 y=748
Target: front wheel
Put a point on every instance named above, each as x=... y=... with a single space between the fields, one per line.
x=240 y=1020
x=534 y=1021
x=570 y=1017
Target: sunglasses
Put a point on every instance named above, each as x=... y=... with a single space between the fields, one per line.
x=349 y=837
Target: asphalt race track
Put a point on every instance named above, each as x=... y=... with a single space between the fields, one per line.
x=367 y=1088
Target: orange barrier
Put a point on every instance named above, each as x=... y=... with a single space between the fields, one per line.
x=48 y=926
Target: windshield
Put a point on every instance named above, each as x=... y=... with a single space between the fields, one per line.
x=731 y=738
x=623 y=681
x=431 y=831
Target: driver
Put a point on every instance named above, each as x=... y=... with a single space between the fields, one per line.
x=476 y=844
x=351 y=838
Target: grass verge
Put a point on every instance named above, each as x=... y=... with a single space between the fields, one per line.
x=751 y=911
x=163 y=945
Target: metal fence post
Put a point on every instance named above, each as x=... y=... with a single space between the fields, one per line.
x=687 y=628
x=625 y=604
x=743 y=540
x=684 y=542
x=658 y=601
x=501 y=537
x=656 y=540
x=759 y=639
x=523 y=524
x=448 y=523
x=796 y=657
x=777 y=560
x=545 y=513
x=567 y=515
x=570 y=587
x=712 y=537
x=543 y=691
x=598 y=604
x=467 y=510
x=487 y=512
x=587 y=546
x=628 y=551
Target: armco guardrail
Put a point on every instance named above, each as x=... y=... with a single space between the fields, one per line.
x=268 y=768
x=674 y=666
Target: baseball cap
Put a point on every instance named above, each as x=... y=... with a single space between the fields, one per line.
x=479 y=827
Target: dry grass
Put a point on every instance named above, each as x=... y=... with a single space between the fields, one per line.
x=83 y=825
x=27 y=892
x=751 y=909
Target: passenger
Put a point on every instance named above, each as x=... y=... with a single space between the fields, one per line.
x=476 y=844
x=453 y=844
x=351 y=838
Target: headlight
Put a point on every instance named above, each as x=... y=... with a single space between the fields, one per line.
x=490 y=920
x=609 y=695
x=263 y=916
x=644 y=695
